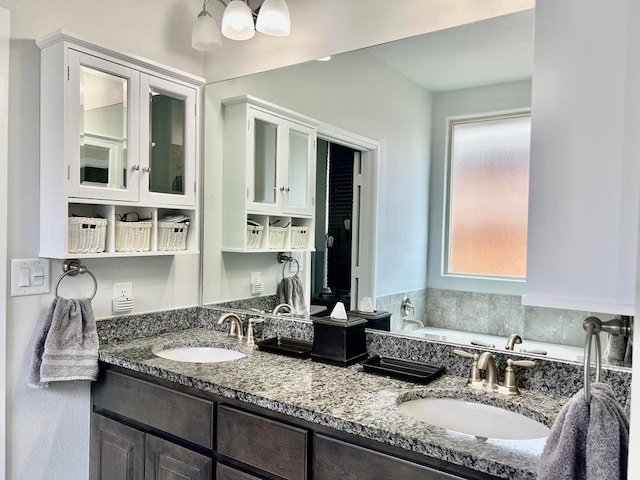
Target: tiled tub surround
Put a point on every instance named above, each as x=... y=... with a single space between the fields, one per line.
x=489 y=314
x=348 y=399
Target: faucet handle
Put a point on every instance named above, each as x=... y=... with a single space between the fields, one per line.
x=510 y=386
x=475 y=380
x=250 y=330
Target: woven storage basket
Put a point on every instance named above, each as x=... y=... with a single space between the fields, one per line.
x=172 y=236
x=277 y=236
x=133 y=236
x=299 y=237
x=87 y=235
x=254 y=235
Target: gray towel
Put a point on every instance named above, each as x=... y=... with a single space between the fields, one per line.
x=70 y=347
x=291 y=292
x=38 y=350
x=587 y=441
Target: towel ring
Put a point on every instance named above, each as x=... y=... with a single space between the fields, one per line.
x=74 y=267
x=593 y=326
x=284 y=259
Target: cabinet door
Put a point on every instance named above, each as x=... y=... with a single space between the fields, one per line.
x=335 y=460
x=167 y=461
x=101 y=134
x=168 y=142
x=299 y=170
x=264 y=143
x=117 y=451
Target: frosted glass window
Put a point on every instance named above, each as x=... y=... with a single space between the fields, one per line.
x=488 y=196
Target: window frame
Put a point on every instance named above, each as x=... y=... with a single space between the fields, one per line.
x=446 y=241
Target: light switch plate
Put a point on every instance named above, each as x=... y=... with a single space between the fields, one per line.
x=36 y=272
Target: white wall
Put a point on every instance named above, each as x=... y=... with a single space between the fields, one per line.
x=4 y=118
x=470 y=101
x=360 y=94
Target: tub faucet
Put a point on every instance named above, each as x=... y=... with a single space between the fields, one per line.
x=405 y=307
x=235 y=330
x=513 y=339
x=487 y=363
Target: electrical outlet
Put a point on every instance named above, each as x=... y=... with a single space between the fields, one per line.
x=123 y=290
x=256 y=277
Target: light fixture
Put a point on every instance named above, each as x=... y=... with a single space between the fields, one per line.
x=205 y=35
x=240 y=22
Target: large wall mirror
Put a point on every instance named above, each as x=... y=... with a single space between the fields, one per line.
x=403 y=95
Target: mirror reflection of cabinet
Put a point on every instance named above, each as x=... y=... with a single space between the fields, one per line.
x=281 y=165
x=269 y=172
x=118 y=134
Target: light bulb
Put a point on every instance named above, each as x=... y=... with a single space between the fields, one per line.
x=273 y=18
x=237 y=21
x=205 y=35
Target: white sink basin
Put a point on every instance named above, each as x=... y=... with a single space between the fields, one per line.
x=200 y=354
x=474 y=419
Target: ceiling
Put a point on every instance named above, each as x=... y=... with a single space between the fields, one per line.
x=482 y=53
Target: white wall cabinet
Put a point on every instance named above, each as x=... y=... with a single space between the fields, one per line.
x=585 y=175
x=269 y=177
x=119 y=134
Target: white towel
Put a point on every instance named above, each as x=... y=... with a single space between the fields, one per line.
x=587 y=441
x=67 y=346
x=291 y=292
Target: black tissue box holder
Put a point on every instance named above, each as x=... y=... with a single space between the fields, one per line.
x=339 y=342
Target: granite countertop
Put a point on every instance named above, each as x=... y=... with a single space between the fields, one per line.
x=346 y=399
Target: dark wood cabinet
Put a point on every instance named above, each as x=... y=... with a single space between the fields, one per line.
x=117 y=451
x=265 y=444
x=336 y=460
x=147 y=429
x=167 y=461
x=224 y=472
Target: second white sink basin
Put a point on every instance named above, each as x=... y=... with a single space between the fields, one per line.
x=200 y=354
x=474 y=419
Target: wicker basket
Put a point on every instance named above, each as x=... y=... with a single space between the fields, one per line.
x=277 y=237
x=87 y=235
x=299 y=237
x=133 y=236
x=254 y=236
x=172 y=236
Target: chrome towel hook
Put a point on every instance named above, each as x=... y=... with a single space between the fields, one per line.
x=73 y=268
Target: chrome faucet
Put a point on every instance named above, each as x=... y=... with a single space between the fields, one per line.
x=406 y=307
x=513 y=339
x=487 y=363
x=235 y=330
x=282 y=306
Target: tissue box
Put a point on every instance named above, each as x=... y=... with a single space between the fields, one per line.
x=377 y=319
x=339 y=342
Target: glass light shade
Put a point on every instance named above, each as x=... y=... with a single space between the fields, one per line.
x=237 y=21
x=205 y=35
x=273 y=18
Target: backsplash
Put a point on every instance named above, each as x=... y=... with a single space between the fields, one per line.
x=490 y=314
x=548 y=376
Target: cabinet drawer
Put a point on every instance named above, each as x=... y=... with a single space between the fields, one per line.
x=335 y=460
x=179 y=414
x=271 y=446
x=224 y=472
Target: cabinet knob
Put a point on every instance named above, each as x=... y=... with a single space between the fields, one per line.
x=135 y=168
x=146 y=169
x=287 y=189
x=282 y=189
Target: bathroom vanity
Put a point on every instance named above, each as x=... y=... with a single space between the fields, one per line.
x=266 y=416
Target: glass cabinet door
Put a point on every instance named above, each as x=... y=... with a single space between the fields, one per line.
x=264 y=190
x=168 y=119
x=300 y=170
x=104 y=128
